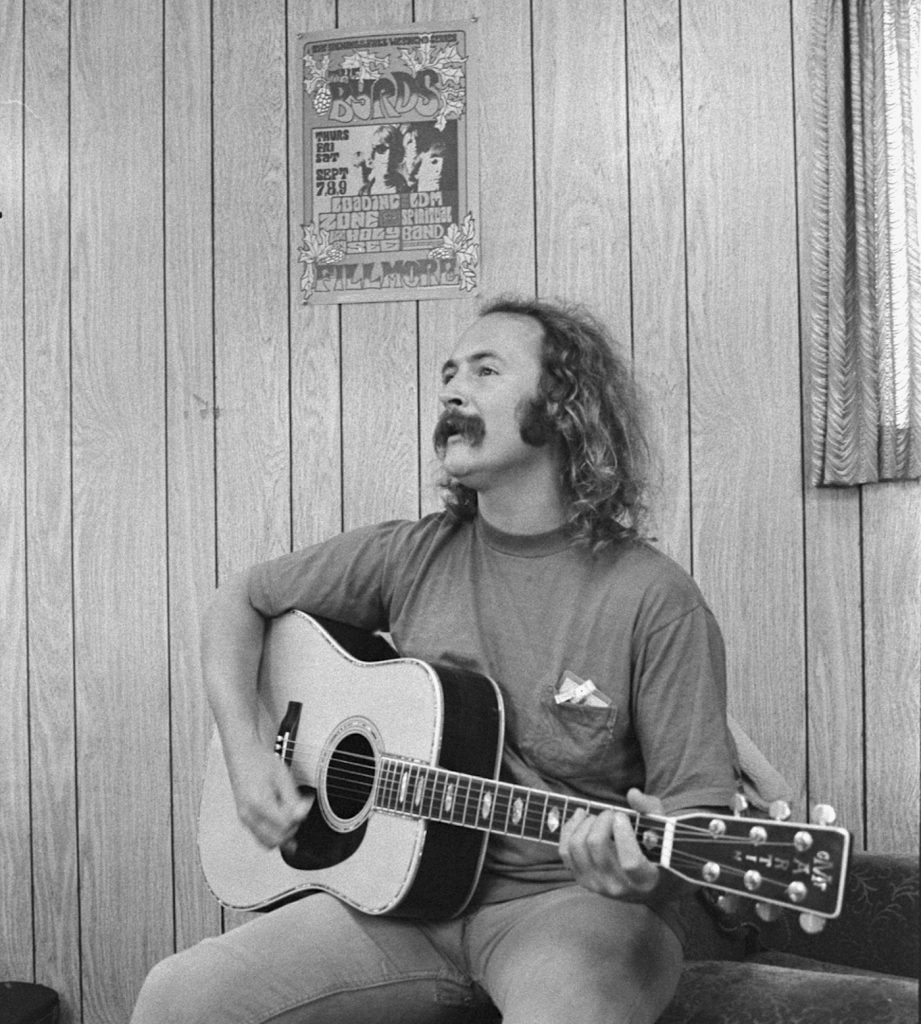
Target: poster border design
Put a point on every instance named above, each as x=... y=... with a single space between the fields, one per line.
x=453 y=260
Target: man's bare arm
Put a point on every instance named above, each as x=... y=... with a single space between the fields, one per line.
x=233 y=633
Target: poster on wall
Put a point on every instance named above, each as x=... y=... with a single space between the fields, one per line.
x=388 y=146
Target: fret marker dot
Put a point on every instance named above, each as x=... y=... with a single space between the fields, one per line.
x=517 y=810
x=553 y=820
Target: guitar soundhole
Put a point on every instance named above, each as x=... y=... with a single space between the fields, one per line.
x=336 y=824
x=350 y=777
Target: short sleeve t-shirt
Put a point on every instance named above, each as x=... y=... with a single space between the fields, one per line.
x=530 y=611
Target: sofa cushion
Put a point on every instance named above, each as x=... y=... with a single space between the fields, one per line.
x=721 y=992
x=878 y=927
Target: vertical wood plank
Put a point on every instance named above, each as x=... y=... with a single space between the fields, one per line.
x=892 y=596
x=252 y=361
x=119 y=501
x=580 y=143
x=834 y=649
x=744 y=359
x=379 y=370
x=316 y=437
x=50 y=605
x=835 y=654
x=16 y=936
x=190 y=433
x=658 y=263
x=379 y=410
x=506 y=114
x=251 y=287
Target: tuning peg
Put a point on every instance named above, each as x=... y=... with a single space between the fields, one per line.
x=727 y=904
x=739 y=804
x=780 y=810
x=811 y=923
x=768 y=911
x=823 y=814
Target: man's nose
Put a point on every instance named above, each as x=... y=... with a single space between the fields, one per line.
x=452 y=394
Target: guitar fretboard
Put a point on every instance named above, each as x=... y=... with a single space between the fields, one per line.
x=436 y=794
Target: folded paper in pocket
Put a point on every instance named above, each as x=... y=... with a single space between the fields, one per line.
x=573 y=690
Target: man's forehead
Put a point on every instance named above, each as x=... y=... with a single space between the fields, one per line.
x=507 y=336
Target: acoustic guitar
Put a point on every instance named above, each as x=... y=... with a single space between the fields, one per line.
x=400 y=759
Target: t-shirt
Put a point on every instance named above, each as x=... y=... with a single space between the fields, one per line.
x=537 y=614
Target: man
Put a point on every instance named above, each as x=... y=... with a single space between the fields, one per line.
x=611 y=669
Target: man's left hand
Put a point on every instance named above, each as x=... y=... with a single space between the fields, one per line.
x=602 y=853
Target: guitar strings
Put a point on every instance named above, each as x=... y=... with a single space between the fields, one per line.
x=341 y=783
x=680 y=860
x=351 y=775
x=364 y=772
x=345 y=783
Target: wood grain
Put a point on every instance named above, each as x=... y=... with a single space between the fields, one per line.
x=892 y=646
x=16 y=935
x=252 y=348
x=48 y=457
x=744 y=359
x=316 y=434
x=582 y=182
x=834 y=654
x=119 y=489
x=190 y=434
x=506 y=150
x=251 y=284
x=657 y=257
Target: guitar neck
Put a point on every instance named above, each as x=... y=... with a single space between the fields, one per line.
x=776 y=862
x=501 y=808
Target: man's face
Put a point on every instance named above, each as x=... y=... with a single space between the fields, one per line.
x=487 y=383
x=431 y=166
x=381 y=153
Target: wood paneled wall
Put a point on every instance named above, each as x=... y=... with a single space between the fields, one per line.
x=169 y=412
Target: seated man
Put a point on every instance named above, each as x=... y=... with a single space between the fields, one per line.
x=537 y=574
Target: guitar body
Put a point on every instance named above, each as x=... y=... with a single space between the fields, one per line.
x=333 y=699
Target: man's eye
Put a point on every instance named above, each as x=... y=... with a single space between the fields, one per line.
x=485 y=371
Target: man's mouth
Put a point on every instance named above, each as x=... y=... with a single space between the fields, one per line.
x=454 y=426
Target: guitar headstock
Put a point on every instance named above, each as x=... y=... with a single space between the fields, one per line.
x=779 y=863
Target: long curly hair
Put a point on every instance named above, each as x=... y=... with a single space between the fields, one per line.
x=587 y=399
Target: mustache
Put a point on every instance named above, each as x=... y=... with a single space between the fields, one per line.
x=451 y=422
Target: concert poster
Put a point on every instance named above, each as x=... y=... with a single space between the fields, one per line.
x=388 y=147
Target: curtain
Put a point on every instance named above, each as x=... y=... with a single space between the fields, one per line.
x=866 y=328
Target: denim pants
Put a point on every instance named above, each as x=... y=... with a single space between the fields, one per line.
x=566 y=955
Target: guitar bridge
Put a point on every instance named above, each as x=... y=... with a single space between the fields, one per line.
x=287 y=732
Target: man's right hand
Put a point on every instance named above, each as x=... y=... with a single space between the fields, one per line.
x=268 y=802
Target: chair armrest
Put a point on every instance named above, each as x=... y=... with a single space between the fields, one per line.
x=878 y=926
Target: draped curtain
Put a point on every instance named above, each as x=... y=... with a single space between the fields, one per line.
x=866 y=329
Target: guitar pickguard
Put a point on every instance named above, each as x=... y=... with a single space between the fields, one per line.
x=318 y=846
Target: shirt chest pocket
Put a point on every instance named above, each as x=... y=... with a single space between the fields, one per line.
x=569 y=742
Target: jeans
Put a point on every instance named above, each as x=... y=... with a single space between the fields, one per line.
x=566 y=955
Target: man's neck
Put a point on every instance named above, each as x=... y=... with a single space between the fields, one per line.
x=537 y=508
